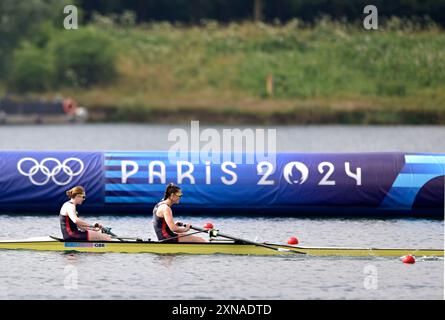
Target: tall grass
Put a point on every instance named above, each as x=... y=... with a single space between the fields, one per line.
x=329 y=65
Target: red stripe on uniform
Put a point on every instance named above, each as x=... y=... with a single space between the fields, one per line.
x=164 y=230
x=68 y=228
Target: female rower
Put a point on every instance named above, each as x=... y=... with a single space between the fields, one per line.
x=166 y=229
x=73 y=228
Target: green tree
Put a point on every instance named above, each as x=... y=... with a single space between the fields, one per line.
x=21 y=20
x=31 y=71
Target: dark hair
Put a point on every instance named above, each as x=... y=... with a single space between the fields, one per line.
x=171 y=189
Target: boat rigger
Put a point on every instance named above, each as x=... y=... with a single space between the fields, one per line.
x=213 y=247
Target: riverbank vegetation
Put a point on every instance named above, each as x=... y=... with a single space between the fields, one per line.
x=294 y=72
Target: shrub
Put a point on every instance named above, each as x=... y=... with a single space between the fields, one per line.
x=84 y=57
x=31 y=70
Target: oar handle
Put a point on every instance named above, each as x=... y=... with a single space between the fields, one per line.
x=107 y=230
x=211 y=232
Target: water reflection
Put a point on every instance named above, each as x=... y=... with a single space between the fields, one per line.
x=166 y=260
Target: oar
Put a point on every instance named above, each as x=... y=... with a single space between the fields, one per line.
x=177 y=237
x=215 y=233
x=127 y=238
x=107 y=230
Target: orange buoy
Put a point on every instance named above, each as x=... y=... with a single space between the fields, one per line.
x=69 y=107
x=408 y=259
x=292 y=240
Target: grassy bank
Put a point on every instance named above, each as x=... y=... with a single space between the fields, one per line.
x=327 y=73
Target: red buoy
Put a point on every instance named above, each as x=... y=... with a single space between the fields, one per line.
x=292 y=240
x=409 y=259
x=208 y=225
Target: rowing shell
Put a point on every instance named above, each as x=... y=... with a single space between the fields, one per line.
x=217 y=247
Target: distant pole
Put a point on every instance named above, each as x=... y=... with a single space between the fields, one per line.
x=269 y=85
x=258 y=11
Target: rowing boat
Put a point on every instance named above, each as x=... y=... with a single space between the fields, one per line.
x=213 y=247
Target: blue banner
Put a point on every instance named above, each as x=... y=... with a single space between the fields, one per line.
x=291 y=184
x=37 y=181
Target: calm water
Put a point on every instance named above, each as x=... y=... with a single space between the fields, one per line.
x=51 y=275
x=153 y=137
x=37 y=275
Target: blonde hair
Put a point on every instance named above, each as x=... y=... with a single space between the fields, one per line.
x=74 y=192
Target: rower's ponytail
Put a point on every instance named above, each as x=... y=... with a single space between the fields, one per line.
x=72 y=193
x=171 y=189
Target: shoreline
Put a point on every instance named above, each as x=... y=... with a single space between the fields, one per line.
x=290 y=117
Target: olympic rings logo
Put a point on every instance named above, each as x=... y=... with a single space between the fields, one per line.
x=51 y=174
